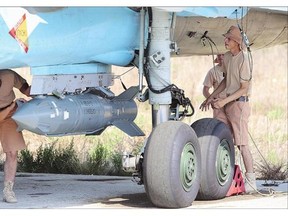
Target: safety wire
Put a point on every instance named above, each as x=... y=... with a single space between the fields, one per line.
x=119 y=76
x=265 y=191
x=211 y=42
x=246 y=42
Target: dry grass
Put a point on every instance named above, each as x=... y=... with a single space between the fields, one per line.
x=272 y=171
x=268 y=122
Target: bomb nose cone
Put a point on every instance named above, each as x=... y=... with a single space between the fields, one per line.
x=25 y=117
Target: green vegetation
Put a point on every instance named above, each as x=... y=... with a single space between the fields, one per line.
x=102 y=160
x=276 y=113
x=48 y=159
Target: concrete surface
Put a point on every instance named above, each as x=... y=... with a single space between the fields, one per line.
x=58 y=191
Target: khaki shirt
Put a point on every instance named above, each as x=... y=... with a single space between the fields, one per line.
x=237 y=70
x=214 y=78
x=8 y=80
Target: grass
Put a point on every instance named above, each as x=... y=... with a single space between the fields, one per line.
x=48 y=159
x=267 y=126
x=101 y=160
x=272 y=171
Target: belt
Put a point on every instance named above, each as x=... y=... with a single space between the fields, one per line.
x=243 y=99
x=3 y=108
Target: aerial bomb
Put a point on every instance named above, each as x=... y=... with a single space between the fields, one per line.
x=86 y=113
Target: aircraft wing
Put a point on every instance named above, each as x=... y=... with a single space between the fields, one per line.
x=264 y=28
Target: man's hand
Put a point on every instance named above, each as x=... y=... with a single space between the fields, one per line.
x=205 y=105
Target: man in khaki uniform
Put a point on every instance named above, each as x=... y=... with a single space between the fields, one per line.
x=212 y=79
x=11 y=140
x=237 y=82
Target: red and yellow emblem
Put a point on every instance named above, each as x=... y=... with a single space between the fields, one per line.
x=20 y=33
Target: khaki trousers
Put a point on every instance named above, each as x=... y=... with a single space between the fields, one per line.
x=10 y=138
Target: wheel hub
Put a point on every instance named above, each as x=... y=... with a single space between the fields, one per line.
x=188 y=166
x=223 y=165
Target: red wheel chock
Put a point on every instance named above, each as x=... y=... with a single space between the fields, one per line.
x=237 y=186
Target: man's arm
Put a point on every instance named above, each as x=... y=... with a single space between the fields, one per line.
x=205 y=91
x=219 y=89
x=240 y=92
x=205 y=105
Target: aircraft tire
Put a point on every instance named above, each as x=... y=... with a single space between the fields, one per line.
x=172 y=165
x=218 y=158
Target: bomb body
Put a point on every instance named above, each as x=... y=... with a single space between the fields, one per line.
x=77 y=114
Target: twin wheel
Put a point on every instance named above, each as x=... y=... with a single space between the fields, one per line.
x=183 y=163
